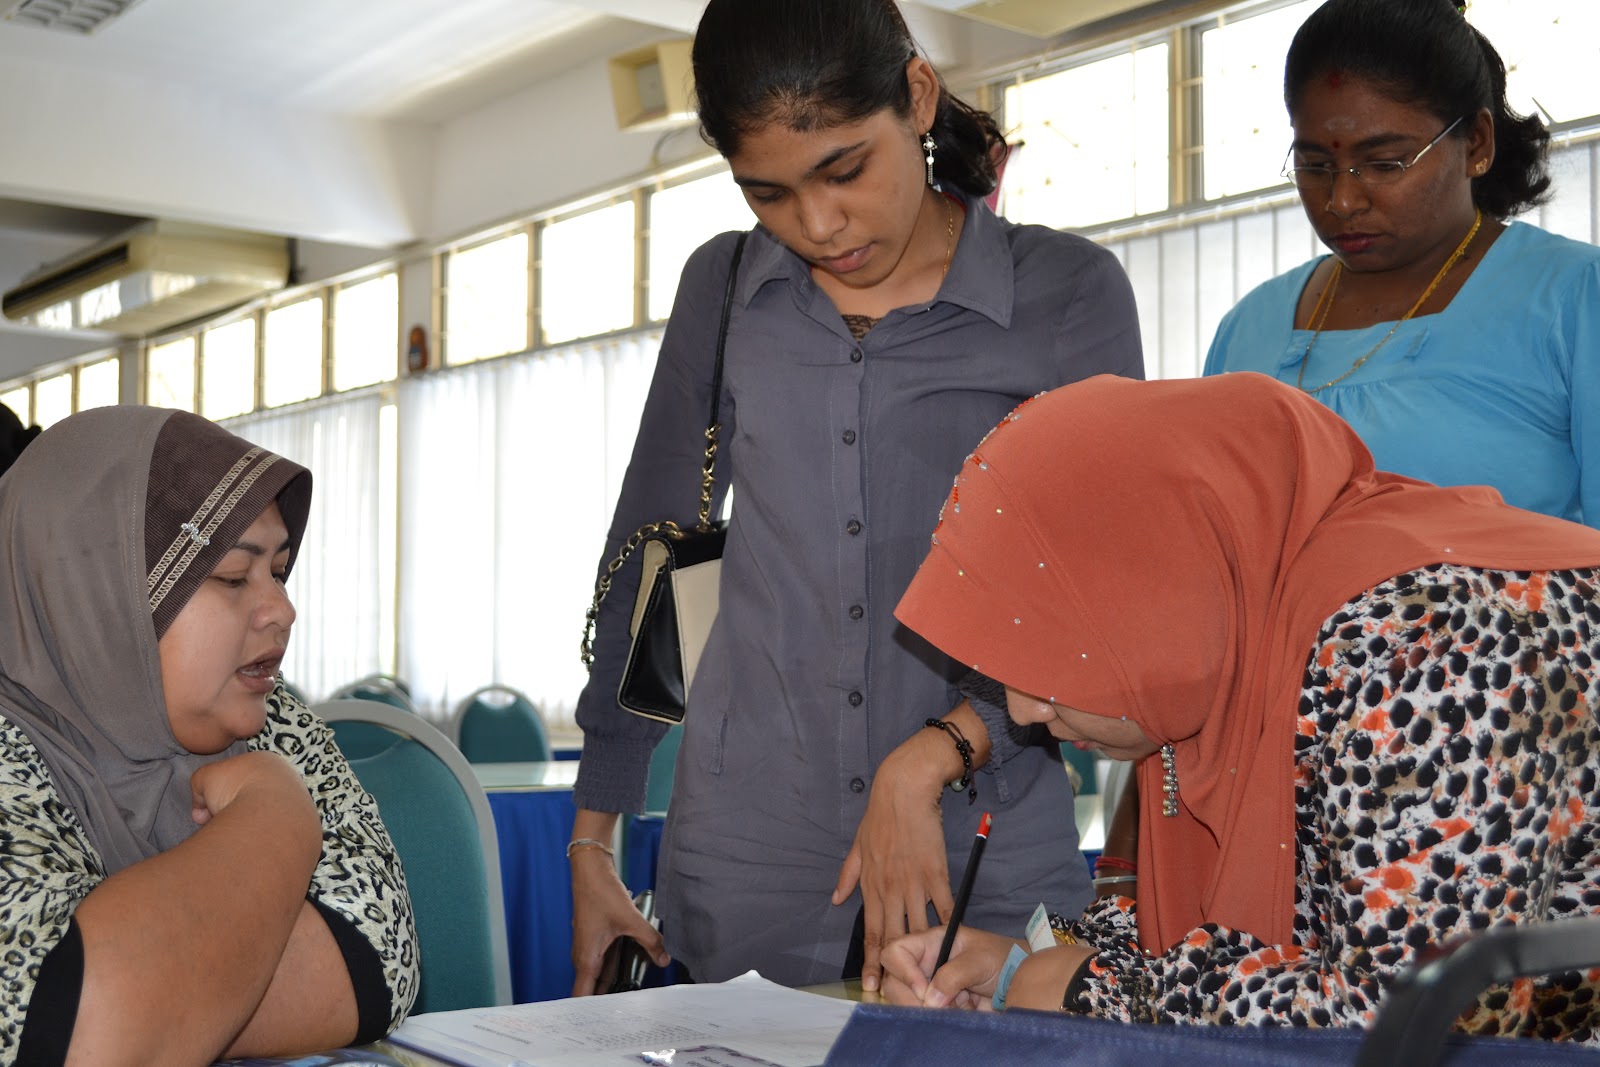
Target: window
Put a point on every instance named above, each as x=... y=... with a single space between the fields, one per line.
x=1094 y=141
x=228 y=370
x=17 y=400
x=1246 y=128
x=169 y=375
x=486 y=299
x=1549 y=51
x=366 y=332
x=99 y=384
x=52 y=399
x=291 y=363
x=682 y=218
x=588 y=287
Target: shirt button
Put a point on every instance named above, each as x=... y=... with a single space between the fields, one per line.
x=855 y=357
x=856 y=698
x=857 y=785
x=849 y=437
x=852 y=527
x=855 y=611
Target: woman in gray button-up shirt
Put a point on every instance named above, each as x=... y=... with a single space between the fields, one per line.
x=884 y=319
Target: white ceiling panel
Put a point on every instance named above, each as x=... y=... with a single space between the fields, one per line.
x=393 y=59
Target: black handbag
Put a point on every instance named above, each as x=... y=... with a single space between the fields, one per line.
x=679 y=579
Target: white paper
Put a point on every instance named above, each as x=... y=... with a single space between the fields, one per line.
x=748 y=1018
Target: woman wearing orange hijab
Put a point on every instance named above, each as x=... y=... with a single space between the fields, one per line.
x=1374 y=702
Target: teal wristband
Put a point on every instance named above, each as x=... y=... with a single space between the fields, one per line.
x=1008 y=970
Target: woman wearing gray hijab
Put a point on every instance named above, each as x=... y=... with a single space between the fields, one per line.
x=188 y=868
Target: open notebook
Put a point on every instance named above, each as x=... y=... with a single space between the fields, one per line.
x=745 y=1022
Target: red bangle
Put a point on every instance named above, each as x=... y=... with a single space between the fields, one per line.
x=1115 y=863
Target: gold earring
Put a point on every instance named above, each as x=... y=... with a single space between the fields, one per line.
x=1483 y=165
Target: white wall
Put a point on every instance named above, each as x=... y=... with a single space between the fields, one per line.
x=118 y=142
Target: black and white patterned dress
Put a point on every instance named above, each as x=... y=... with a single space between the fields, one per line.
x=47 y=868
x=1447 y=780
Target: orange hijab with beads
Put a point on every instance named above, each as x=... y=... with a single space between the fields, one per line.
x=1167 y=551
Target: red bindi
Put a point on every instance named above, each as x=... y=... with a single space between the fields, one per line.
x=1336 y=146
x=1335 y=79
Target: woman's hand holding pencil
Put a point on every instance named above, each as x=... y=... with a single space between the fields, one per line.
x=960 y=966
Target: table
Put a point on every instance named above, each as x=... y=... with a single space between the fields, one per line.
x=533 y=813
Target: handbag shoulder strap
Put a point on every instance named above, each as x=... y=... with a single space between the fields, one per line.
x=714 y=426
x=602 y=585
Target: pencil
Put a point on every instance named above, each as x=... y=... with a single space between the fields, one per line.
x=964 y=893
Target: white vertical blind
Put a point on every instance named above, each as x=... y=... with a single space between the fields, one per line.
x=337 y=584
x=509 y=471
x=1187 y=274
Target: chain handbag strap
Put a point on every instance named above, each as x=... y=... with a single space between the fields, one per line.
x=602 y=585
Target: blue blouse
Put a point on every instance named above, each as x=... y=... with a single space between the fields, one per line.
x=1500 y=388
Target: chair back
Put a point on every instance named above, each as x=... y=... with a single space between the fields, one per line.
x=663 y=765
x=384 y=688
x=499 y=724
x=439 y=818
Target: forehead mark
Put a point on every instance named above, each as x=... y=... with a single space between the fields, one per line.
x=1336 y=145
x=1335 y=79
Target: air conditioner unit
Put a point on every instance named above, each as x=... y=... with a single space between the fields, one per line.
x=1046 y=18
x=154 y=276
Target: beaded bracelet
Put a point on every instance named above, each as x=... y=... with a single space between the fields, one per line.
x=964 y=747
x=587 y=842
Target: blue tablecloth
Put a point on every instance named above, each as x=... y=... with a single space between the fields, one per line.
x=533 y=828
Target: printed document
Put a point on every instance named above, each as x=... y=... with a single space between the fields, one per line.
x=746 y=1021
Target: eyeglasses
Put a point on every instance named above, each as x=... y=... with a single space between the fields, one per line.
x=1378 y=172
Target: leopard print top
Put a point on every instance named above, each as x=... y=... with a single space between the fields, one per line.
x=1448 y=780
x=47 y=865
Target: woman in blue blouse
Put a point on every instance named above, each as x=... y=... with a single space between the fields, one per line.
x=1462 y=348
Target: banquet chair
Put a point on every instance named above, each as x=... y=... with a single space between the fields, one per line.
x=499 y=724
x=380 y=687
x=1429 y=995
x=439 y=818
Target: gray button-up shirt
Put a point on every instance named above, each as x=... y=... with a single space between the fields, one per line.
x=840 y=453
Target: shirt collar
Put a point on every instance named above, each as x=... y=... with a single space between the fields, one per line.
x=982 y=274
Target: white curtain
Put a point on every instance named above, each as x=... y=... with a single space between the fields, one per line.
x=1188 y=268
x=337 y=583
x=509 y=471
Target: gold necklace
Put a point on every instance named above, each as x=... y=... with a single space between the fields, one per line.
x=1319 y=314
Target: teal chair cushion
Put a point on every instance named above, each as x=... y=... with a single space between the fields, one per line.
x=382 y=694
x=431 y=821
x=492 y=731
x=358 y=739
x=663 y=763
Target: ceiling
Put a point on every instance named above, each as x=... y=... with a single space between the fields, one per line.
x=399 y=63
x=213 y=90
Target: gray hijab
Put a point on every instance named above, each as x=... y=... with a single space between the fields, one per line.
x=108 y=523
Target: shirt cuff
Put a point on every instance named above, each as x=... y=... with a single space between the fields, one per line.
x=365 y=966
x=613 y=773
x=1006 y=738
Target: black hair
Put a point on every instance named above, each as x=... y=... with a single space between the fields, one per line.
x=1425 y=52
x=812 y=64
x=14 y=437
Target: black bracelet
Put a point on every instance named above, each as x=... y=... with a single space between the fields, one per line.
x=964 y=747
